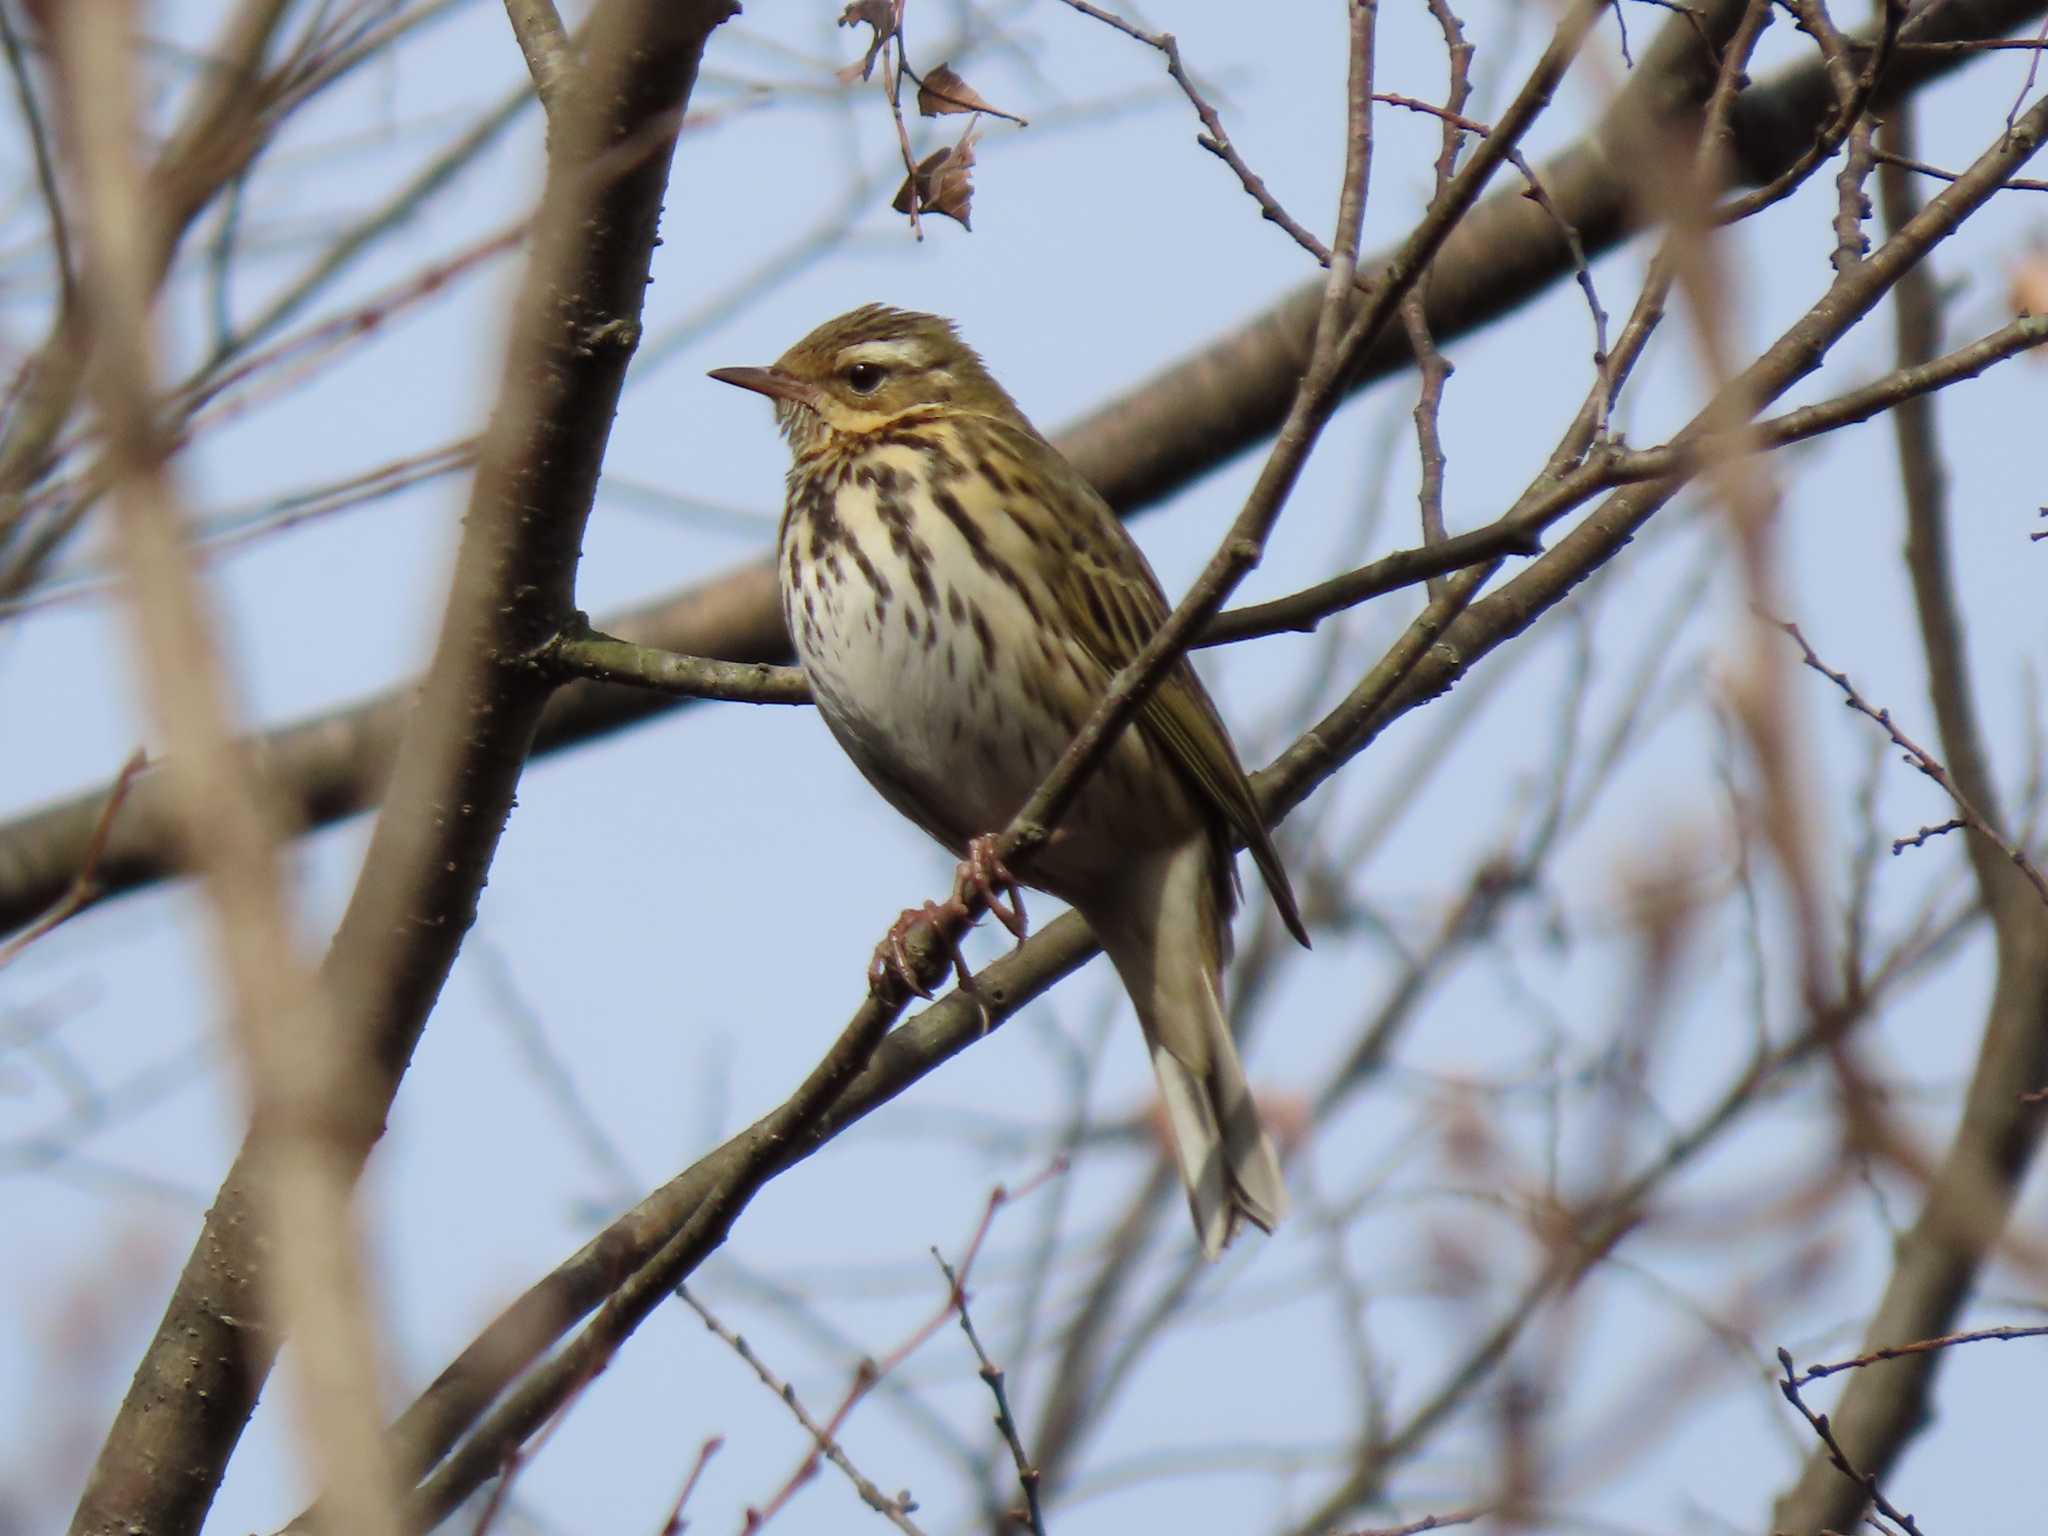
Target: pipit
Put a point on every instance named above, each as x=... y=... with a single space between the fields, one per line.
x=960 y=597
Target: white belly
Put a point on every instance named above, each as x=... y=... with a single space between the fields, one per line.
x=957 y=721
x=932 y=706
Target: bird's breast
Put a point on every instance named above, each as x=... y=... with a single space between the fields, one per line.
x=929 y=645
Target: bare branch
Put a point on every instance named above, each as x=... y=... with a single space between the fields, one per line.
x=550 y=56
x=1427 y=1522
x=84 y=885
x=1333 y=359
x=674 y=1524
x=465 y=740
x=1969 y=1193
x=1923 y=760
x=223 y=129
x=890 y=1509
x=601 y=659
x=305 y=1087
x=39 y=144
x=1839 y=1458
x=1922 y=168
x=1918 y=1347
x=1006 y=1425
x=1213 y=136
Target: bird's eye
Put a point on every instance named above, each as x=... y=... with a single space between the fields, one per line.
x=865 y=378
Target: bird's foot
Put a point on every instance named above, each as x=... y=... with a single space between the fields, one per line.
x=983 y=873
x=948 y=920
x=983 y=877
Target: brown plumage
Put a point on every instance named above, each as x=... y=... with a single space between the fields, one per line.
x=959 y=597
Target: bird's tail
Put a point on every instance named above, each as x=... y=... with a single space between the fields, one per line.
x=1167 y=940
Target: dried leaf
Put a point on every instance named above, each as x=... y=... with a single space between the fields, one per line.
x=943 y=183
x=882 y=15
x=885 y=16
x=942 y=92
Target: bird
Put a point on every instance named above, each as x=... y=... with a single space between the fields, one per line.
x=959 y=597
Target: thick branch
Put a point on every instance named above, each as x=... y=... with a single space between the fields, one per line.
x=299 y=1078
x=461 y=749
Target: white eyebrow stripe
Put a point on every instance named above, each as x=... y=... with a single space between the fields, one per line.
x=890 y=354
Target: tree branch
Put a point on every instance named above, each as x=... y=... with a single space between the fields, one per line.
x=1969 y=1196
x=461 y=749
x=550 y=58
x=301 y=1082
x=223 y=130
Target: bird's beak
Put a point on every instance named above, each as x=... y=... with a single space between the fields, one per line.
x=772 y=382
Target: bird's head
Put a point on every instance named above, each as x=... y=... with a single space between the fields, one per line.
x=858 y=374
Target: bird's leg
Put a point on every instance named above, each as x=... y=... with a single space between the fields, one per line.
x=984 y=873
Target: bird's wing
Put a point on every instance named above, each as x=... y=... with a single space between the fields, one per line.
x=1116 y=606
x=1108 y=592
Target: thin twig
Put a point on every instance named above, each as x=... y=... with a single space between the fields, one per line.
x=673 y=1525
x=1214 y=137
x=1432 y=367
x=1582 y=274
x=84 y=885
x=1316 y=397
x=1518 y=531
x=39 y=144
x=2033 y=73
x=1852 y=202
x=1356 y=185
x=1921 y=759
x=1978 y=45
x=896 y=1511
x=1455 y=123
x=1453 y=116
x=892 y=88
x=1926 y=834
x=1789 y=1386
x=1852 y=97
x=235 y=528
x=869 y=1372
x=1431 y=1522
x=1027 y=1474
x=2002 y=1335
x=1922 y=168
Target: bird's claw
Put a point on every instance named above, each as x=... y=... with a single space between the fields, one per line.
x=893 y=958
x=983 y=873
